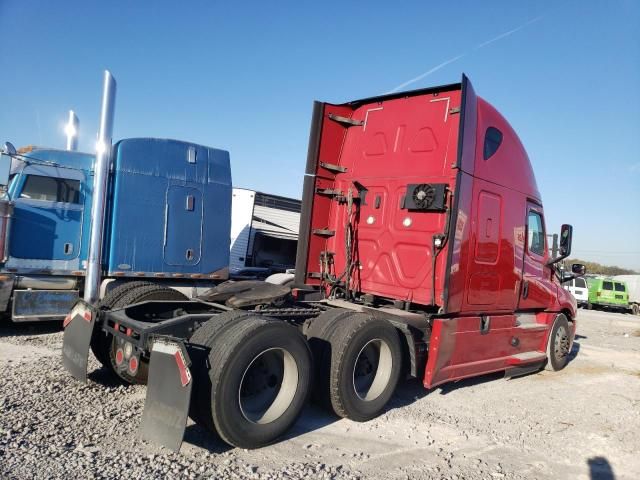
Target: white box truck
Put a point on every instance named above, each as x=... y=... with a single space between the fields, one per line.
x=633 y=288
x=264 y=234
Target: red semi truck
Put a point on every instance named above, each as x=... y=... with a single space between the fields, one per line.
x=422 y=253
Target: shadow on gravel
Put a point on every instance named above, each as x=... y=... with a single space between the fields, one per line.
x=105 y=377
x=10 y=329
x=412 y=390
x=580 y=337
x=575 y=349
x=203 y=438
x=600 y=469
x=312 y=418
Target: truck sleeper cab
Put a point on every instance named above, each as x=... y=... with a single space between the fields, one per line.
x=159 y=191
x=422 y=251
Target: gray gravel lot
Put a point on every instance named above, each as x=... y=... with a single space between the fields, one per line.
x=582 y=422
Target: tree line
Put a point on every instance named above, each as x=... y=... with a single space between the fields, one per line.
x=599 y=269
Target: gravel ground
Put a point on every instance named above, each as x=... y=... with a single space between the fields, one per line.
x=582 y=422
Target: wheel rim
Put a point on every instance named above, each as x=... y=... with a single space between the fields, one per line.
x=372 y=370
x=268 y=386
x=561 y=343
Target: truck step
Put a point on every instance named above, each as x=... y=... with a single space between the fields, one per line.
x=526 y=357
x=533 y=326
x=324 y=232
x=527 y=321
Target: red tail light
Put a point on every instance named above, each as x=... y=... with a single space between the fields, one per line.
x=133 y=365
x=119 y=356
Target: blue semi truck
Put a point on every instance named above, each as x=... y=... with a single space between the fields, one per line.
x=142 y=219
x=158 y=191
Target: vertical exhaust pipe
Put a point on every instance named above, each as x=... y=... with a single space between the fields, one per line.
x=98 y=204
x=71 y=129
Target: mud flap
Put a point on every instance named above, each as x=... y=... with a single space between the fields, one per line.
x=78 y=328
x=168 y=394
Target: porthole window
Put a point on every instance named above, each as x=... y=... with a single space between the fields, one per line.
x=492 y=141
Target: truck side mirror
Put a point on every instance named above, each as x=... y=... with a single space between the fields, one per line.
x=578 y=269
x=566 y=233
x=6 y=154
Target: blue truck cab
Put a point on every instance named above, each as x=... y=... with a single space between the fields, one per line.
x=158 y=195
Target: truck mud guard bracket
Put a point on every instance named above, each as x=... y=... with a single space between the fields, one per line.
x=78 y=329
x=169 y=386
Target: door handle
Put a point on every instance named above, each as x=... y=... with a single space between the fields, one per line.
x=525 y=289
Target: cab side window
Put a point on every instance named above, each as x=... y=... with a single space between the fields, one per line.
x=535 y=233
x=51 y=189
x=607 y=285
x=492 y=141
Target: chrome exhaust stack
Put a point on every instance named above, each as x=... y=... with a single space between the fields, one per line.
x=100 y=180
x=71 y=129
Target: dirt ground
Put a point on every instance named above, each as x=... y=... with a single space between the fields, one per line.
x=582 y=422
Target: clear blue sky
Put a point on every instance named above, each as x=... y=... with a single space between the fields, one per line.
x=242 y=76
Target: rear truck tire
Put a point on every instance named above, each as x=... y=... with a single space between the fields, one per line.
x=318 y=332
x=260 y=378
x=635 y=309
x=204 y=337
x=366 y=363
x=559 y=345
x=134 y=293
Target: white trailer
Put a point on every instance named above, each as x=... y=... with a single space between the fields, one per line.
x=264 y=234
x=633 y=289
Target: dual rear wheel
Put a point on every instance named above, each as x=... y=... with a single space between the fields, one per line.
x=259 y=372
x=255 y=381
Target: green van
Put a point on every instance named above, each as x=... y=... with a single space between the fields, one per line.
x=608 y=293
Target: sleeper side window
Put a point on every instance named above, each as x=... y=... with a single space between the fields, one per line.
x=619 y=287
x=535 y=233
x=51 y=189
x=492 y=141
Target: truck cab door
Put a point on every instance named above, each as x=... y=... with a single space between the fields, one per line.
x=47 y=219
x=183 y=214
x=537 y=290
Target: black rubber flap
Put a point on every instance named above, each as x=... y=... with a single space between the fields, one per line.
x=76 y=340
x=168 y=395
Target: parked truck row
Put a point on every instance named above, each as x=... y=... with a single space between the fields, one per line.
x=422 y=252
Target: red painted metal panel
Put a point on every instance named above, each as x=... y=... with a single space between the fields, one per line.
x=331 y=141
x=510 y=165
x=402 y=141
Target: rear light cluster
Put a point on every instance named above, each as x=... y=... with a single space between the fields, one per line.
x=126 y=358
